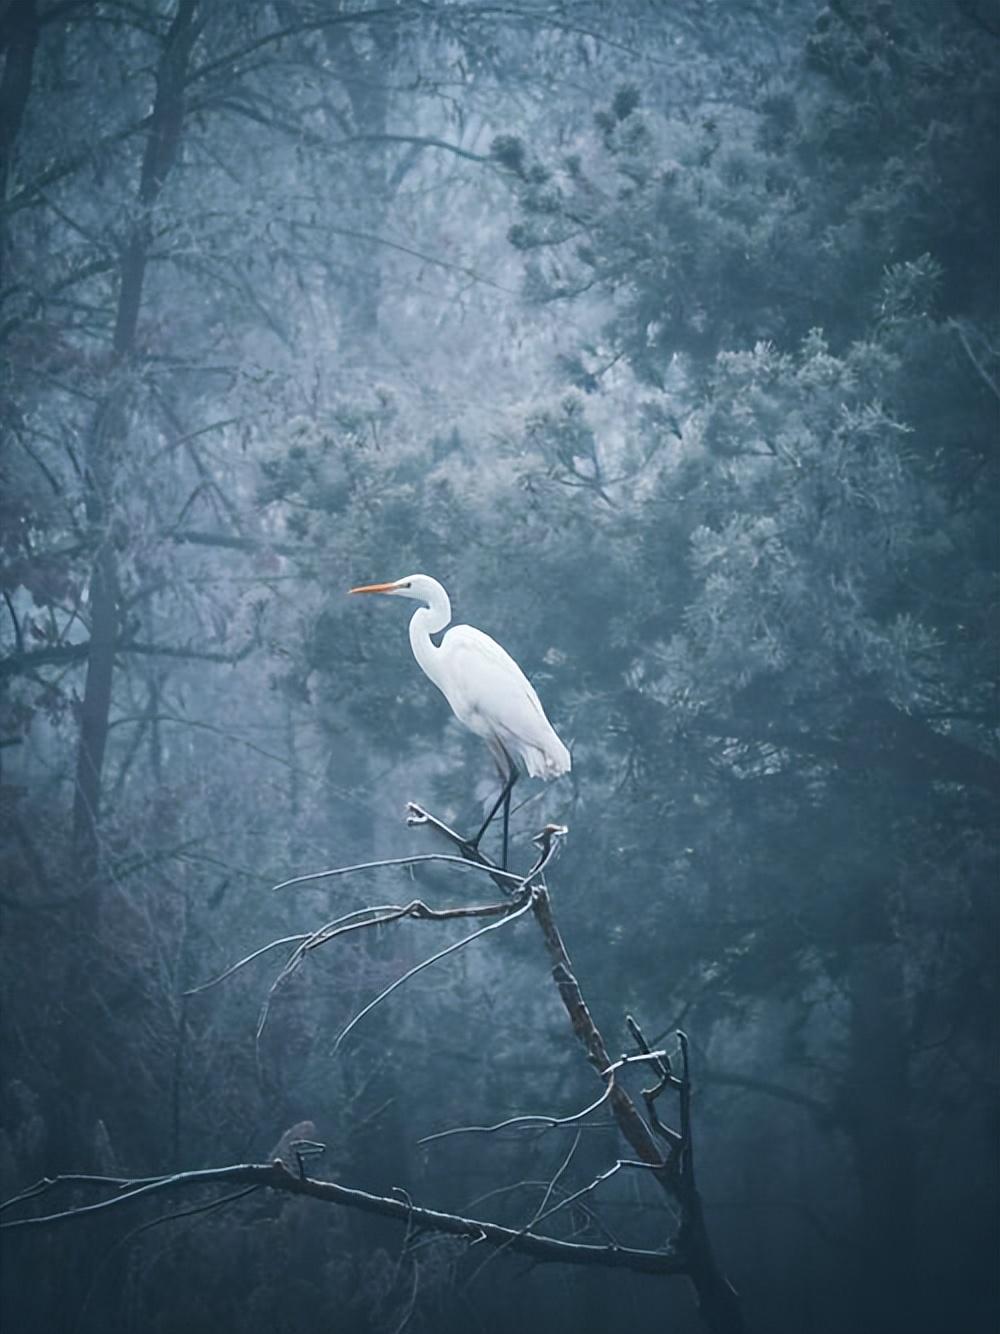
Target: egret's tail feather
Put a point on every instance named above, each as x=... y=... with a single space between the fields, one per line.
x=551 y=762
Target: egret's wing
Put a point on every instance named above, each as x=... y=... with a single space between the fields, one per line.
x=488 y=680
x=494 y=698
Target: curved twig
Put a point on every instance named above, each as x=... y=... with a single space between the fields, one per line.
x=548 y=843
x=45 y=1184
x=561 y=1170
x=594 y=1219
x=542 y=1212
x=416 y=909
x=633 y=1058
x=325 y=932
x=548 y=1122
x=511 y=916
x=386 y=912
x=249 y=958
x=597 y=1181
x=398 y=861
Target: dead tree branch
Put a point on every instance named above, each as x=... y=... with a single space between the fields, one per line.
x=674 y=1173
x=277 y=1177
x=672 y=1166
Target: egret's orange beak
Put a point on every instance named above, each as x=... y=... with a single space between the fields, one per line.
x=375 y=588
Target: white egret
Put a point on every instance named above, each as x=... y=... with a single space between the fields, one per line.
x=486 y=689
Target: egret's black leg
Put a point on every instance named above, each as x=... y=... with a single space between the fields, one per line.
x=506 y=822
x=502 y=800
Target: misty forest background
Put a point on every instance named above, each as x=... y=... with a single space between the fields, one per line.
x=666 y=336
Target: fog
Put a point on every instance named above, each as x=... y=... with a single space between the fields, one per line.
x=666 y=338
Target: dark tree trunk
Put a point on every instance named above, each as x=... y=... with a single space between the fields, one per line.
x=363 y=72
x=877 y=1104
x=105 y=445
x=18 y=40
x=107 y=438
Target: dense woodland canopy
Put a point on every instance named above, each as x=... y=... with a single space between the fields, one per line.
x=666 y=336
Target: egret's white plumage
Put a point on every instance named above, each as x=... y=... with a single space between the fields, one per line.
x=486 y=689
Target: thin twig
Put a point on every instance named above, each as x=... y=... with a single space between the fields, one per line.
x=191 y=1212
x=45 y=1184
x=597 y=1181
x=635 y=1058
x=548 y=844
x=560 y=1172
x=599 y=1225
x=426 y=963
x=416 y=909
x=416 y=815
x=129 y=1237
x=249 y=958
x=552 y=1185
x=411 y=1304
x=299 y=953
x=77 y=1211
x=667 y=1079
x=374 y=916
x=548 y=1122
x=397 y=861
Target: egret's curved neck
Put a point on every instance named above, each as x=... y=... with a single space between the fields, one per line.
x=427 y=621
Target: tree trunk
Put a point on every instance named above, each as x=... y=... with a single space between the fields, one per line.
x=877 y=1103
x=79 y=1064
x=364 y=75
x=18 y=40
x=108 y=436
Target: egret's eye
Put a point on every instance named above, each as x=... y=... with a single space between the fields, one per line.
x=407 y=584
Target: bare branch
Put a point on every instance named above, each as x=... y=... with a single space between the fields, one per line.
x=561 y=1170
x=23 y=663
x=717 y=1298
x=249 y=958
x=276 y=1176
x=45 y=1184
x=411 y=1304
x=547 y=1122
x=184 y=536
x=540 y=1211
x=690 y=1251
x=512 y=915
x=631 y=1123
x=327 y=931
x=548 y=841
x=667 y=1079
x=597 y=1181
x=18 y=636
x=590 y=1215
x=370 y=916
x=397 y=861
x=20 y=664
